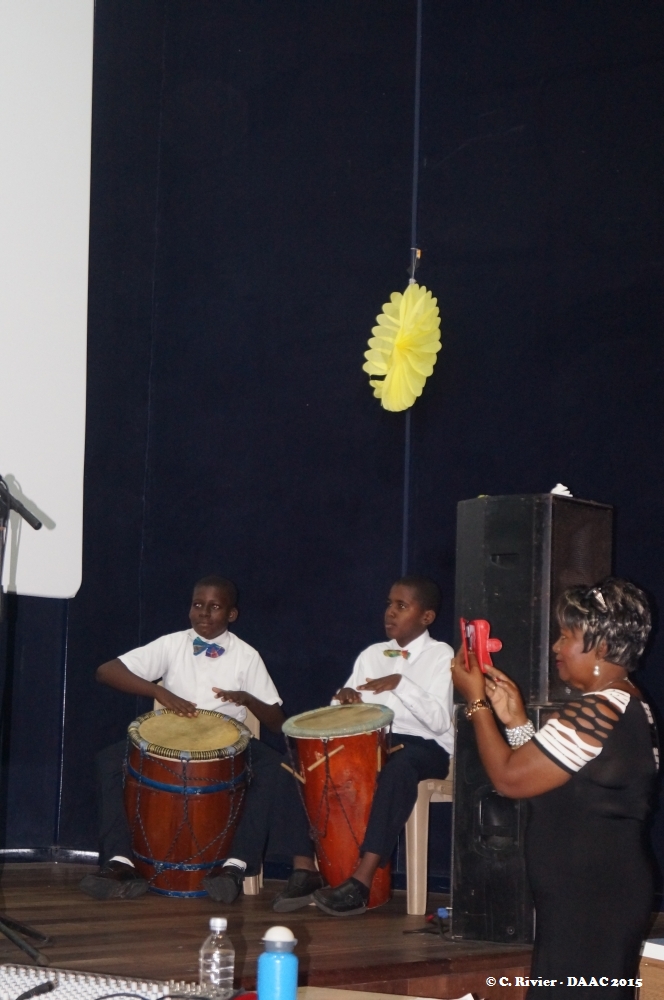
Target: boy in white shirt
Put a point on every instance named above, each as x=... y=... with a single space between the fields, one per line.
x=410 y=673
x=207 y=667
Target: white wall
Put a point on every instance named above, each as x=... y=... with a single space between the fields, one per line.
x=45 y=110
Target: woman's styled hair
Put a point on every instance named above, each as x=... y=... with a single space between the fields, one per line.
x=614 y=612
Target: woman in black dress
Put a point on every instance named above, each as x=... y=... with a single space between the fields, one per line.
x=589 y=776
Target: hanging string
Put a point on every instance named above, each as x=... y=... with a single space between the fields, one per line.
x=414 y=261
x=406 y=496
x=414 y=249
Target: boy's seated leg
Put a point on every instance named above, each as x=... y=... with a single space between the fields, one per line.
x=396 y=795
x=289 y=837
x=273 y=817
x=245 y=855
x=117 y=878
x=396 y=791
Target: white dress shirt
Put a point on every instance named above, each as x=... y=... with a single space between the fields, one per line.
x=422 y=700
x=171 y=659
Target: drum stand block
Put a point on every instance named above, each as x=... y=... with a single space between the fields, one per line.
x=253 y=885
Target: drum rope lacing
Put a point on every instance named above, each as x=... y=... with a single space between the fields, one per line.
x=161 y=866
x=314 y=830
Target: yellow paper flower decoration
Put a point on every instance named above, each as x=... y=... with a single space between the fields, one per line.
x=404 y=347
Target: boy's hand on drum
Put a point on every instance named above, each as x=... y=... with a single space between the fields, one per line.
x=237 y=697
x=348 y=696
x=175 y=704
x=380 y=684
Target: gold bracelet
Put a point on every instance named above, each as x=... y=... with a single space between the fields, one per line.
x=477 y=706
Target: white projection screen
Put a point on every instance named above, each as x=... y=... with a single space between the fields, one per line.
x=45 y=113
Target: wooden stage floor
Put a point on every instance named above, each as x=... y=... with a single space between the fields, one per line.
x=158 y=937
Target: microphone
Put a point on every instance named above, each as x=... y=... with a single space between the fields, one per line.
x=11 y=503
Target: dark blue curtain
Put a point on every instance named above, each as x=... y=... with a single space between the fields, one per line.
x=250 y=214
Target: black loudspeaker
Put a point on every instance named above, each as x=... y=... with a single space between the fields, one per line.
x=491 y=899
x=515 y=555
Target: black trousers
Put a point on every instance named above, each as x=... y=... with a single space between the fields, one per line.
x=273 y=821
x=396 y=791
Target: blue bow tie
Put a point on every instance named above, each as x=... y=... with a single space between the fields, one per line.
x=211 y=648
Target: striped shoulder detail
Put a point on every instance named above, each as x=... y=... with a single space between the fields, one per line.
x=654 y=739
x=565 y=747
x=579 y=734
x=616 y=696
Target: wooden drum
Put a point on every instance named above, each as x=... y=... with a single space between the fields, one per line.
x=185 y=781
x=341 y=750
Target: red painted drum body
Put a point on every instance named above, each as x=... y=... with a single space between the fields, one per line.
x=185 y=781
x=341 y=751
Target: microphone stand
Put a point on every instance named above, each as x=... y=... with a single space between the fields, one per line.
x=12 y=929
x=7 y=504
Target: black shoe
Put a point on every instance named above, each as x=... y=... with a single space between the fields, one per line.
x=225 y=887
x=115 y=880
x=347 y=899
x=299 y=890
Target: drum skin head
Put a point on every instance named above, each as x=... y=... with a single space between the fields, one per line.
x=207 y=736
x=338 y=720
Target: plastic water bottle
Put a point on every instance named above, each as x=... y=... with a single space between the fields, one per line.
x=277 y=966
x=217 y=961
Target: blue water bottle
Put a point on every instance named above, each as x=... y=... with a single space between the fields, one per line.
x=277 y=966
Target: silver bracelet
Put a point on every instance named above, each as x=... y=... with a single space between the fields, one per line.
x=518 y=735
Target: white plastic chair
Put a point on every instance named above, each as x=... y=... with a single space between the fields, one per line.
x=417 y=838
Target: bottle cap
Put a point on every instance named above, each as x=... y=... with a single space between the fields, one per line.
x=279 y=934
x=218 y=924
x=279 y=939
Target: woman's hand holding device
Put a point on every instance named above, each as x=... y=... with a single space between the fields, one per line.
x=505 y=699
